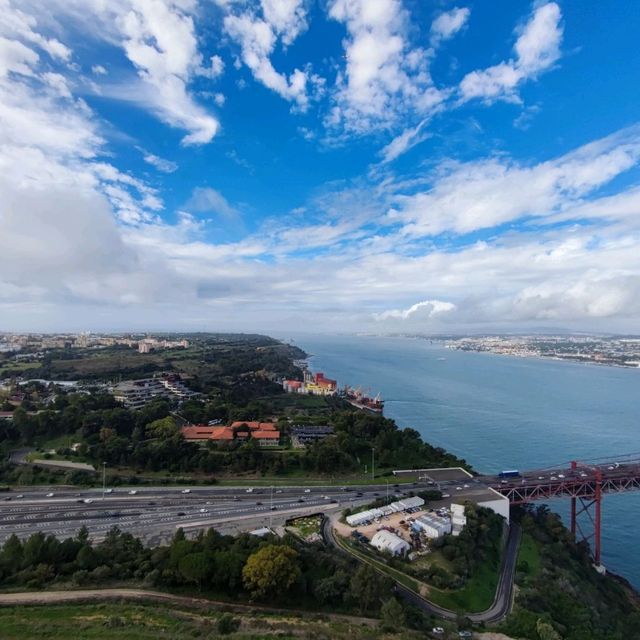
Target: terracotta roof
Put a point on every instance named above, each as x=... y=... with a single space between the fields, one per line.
x=266 y=435
x=203 y=432
x=254 y=425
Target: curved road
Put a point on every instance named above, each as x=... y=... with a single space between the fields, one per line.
x=504 y=593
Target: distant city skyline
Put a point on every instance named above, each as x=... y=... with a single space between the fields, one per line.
x=383 y=166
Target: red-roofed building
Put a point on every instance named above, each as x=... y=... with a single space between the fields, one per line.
x=200 y=433
x=267 y=438
x=254 y=425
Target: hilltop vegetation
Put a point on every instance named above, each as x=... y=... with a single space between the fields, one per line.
x=561 y=596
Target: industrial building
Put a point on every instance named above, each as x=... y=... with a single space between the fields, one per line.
x=433 y=526
x=369 y=515
x=314 y=383
x=384 y=540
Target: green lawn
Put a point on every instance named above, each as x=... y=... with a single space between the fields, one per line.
x=530 y=554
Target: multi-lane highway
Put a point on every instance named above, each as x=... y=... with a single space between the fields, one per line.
x=154 y=514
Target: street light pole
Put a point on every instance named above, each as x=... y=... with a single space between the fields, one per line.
x=104 y=478
x=373 y=469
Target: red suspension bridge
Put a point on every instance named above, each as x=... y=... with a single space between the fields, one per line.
x=584 y=483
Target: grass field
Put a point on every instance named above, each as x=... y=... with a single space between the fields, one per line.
x=148 y=622
x=529 y=554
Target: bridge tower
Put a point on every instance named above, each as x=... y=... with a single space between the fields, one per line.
x=591 y=508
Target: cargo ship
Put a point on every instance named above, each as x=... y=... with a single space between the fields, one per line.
x=360 y=400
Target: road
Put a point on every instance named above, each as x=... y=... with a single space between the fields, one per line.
x=140 y=595
x=154 y=514
x=504 y=592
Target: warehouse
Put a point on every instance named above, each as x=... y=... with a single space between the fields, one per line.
x=357 y=519
x=432 y=526
x=387 y=541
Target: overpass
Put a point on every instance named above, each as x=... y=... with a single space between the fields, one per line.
x=584 y=483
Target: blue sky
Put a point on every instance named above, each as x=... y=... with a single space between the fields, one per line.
x=366 y=165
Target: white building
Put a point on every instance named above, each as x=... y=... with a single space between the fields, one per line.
x=458 y=519
x=432 y=526
x=386 y=541
x=496 y=502
x=357 y=519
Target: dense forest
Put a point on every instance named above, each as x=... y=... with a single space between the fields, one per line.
x=150 y=440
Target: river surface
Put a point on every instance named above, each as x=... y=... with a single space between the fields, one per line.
x=502 y=412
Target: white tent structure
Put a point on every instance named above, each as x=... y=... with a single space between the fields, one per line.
x=384 y=540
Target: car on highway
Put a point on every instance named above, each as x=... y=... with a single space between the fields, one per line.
x=203 y=510
x=49 y=495
x=19 y=496
x=458 y=488
x=300 y=500
x=87 y=501
x=133 y=492
x=553 y=478
x=540 y=477
x=7 y=499
x=258 y=504
x=437 y=631
x=446 y=495
x=273 y=508
x=186 y=491
x=250 y=490
x=561 y=475
x=583 y=474
x=279 y=491
x=307 y=490
x=181 y=513
x=108 y=490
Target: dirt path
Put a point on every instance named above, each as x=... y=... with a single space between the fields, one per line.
x=141 y=595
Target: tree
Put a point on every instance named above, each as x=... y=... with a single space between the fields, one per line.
x=196 y=567
x=271 y=571
x=367 y=587
x=546 y=631
x=392 y=613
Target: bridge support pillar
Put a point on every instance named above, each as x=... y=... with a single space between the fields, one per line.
x=574 y=465
x=598 y=523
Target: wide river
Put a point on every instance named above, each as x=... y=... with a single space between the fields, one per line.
x=502 y=412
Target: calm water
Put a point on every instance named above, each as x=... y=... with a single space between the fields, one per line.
x=500 y=412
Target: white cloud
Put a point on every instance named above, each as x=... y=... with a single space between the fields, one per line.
x=159 y=39
x=166 y=166
x=422 y=310
x=537 y=49
x=448 y=23
x=487 y=193
x=258 y=37
x=403 y=142
x=384 y=77
x=98 y=70
x=208 y=200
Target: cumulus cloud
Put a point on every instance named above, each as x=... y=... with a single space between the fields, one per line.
x=537 y=49
x=384 y=77
x=258 y=36
x=159 y=39
x=448 y=23
x=419 y=311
